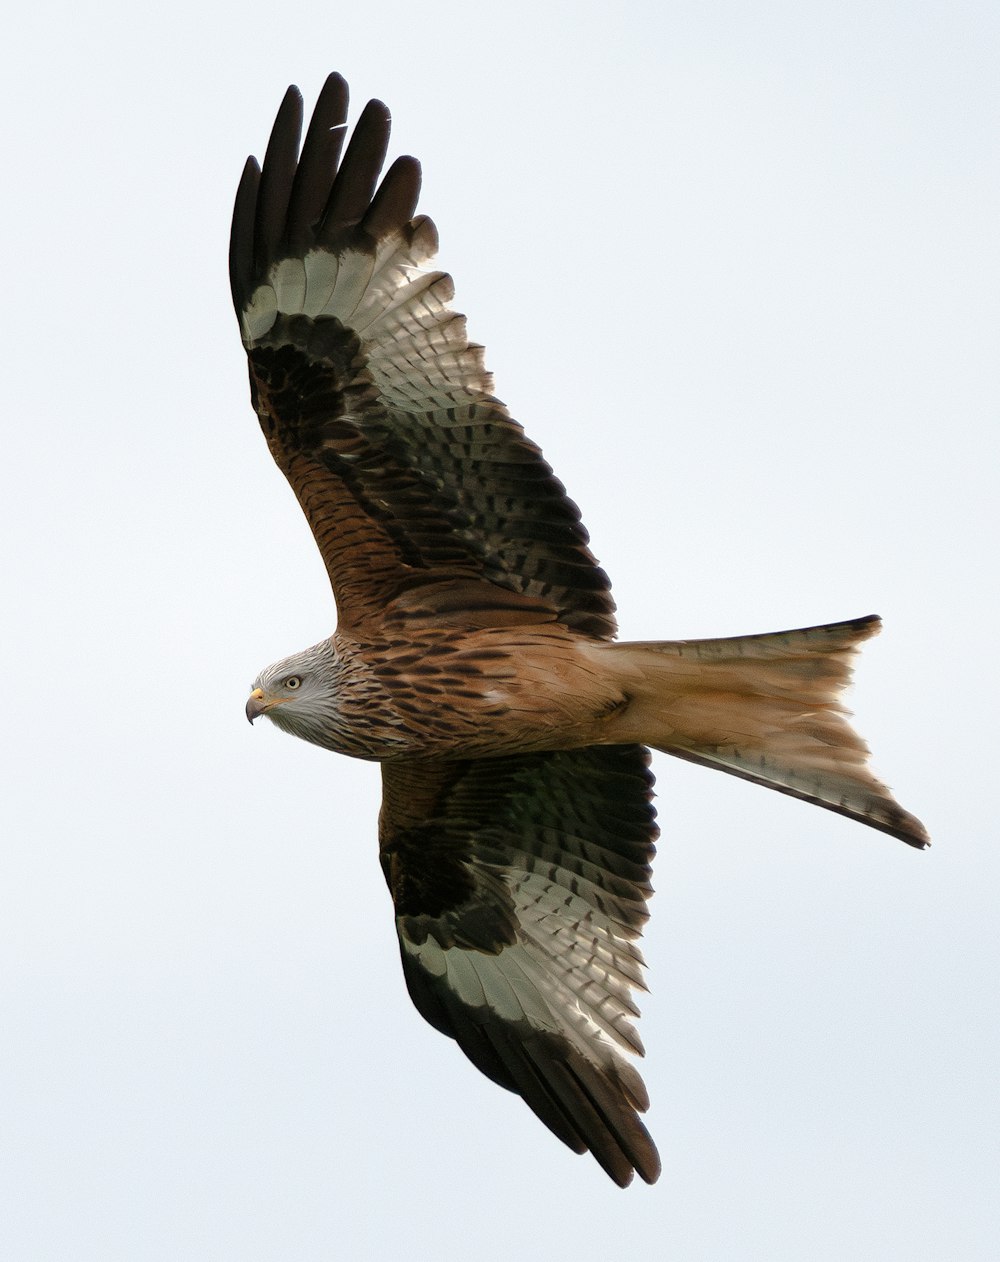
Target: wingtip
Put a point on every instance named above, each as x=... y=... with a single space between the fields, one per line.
x=292 y=97
x=376 y=109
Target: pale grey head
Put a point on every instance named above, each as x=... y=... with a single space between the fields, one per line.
x=299 y=695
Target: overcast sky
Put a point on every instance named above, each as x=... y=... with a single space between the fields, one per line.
x=735 y=267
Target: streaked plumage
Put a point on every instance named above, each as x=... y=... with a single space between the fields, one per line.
x=474 y=655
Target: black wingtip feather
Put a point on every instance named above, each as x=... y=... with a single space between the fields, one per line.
x=354 y=186
x=292 y=202
x=277 y=176
x=241 y=277
x=318 y=164
x=610 y=1128
x=396 y=200
x=622 y=1124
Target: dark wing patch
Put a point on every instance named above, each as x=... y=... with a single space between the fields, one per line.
x=375 y=404
x=520 y=886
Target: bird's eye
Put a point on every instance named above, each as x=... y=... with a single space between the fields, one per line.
x=292 y=682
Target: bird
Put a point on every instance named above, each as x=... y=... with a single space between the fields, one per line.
x=475 y=656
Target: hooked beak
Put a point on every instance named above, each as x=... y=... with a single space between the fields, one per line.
x=256 y=705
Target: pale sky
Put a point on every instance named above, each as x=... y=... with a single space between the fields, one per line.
x=735 y=267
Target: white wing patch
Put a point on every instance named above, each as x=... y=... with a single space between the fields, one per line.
x=417 y=348
x=259 y=315
x=288 y=280
x=570 y=973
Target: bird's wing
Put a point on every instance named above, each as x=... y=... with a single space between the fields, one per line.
x=422 y=493
x=520 y=887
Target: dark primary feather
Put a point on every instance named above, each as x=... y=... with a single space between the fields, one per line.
x=396 y=199
x=241 y=259
x=277 y=175
x=549 y=854
x=413 y=476
x=354 y=187
x=320 y=154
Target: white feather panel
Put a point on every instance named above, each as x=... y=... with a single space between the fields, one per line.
x=321 y=278
x=534 y=1005
x=417 y=347
x=550 y=901
x=288 y=279
x=492 y=972
x=596 y=1032
x=463 y=978
x=557 y=981
x=259 y=314
x=395 y=290
x=430 y=955
x=353 y=278
x=579 y=946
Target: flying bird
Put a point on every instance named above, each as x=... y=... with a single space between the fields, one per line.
x=474 y=656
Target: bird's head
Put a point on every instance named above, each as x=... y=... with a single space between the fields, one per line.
x=296 y=693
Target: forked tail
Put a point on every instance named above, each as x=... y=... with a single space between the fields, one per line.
x=766 y=708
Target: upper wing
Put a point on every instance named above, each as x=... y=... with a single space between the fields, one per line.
x=520 y=887
x=420 y=489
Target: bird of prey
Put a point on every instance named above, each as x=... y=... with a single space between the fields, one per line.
x=474 y=656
